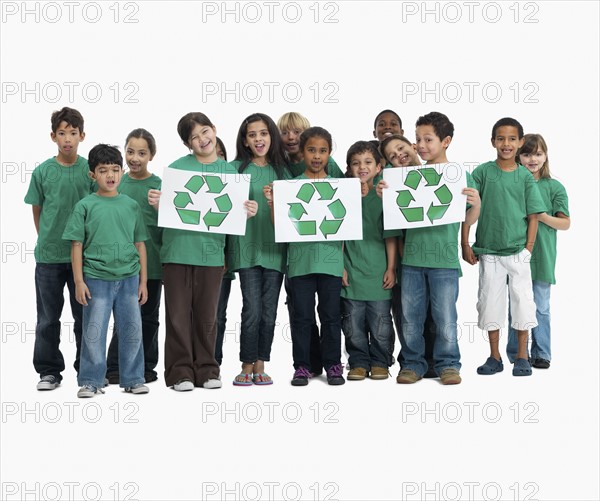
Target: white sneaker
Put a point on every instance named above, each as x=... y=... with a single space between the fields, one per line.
x=183 y=385
x=213 y=384
x=88 y=391
x=137 y=389
x=48 y=383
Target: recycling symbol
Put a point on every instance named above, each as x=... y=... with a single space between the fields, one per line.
x=405 y=197
x=213 y=185
x=328 y=226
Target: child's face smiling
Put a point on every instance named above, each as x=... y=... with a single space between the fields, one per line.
x=401 y=154
x=107 y=177
x=291 y=141
x=316 y=154
x=534 y=161
x=203 y=142
x=258 y=139
x=67 y=139
x=137 y=156
x=387 y=124
x=429 y=146
x=507 y=142
x=364 y=167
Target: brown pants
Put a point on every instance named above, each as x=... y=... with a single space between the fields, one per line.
x=191 y=299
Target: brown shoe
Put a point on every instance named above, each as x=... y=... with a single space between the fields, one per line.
x=357 y=374
x=379 y=373
x=407 y=376
x=450 y=376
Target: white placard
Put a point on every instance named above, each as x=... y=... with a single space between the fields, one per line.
x=201 y=201
x=317 y=210
x=430 y=195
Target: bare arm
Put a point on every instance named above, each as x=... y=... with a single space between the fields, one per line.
x=143 y=287
x=82 y=293
x=532 y=226
x=37 y=211
x=391 y=250
x=467 y=251
x=559 y=222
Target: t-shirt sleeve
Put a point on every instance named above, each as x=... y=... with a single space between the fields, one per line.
x=75 y=228
x=560 y=200
x=333 y=169
x=139 y=233
x=533 y=198
x=35 y=193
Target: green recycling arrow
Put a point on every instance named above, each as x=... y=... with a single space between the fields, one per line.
x=413 y=178
x=330 y=226
x=296 y=211
x=215 y=184
x=413 y=215
x=436 y=211
x=306 y=192
x=404 y=198
x=189 y=216
x=431 y=176
x=194 y=184
x=306 y=227
x=213 y=218
x=325 y=190
x=337 y=209
x=182 y=199
x=224 y=203
x=443 y=194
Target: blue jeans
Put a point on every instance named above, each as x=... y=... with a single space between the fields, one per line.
x=540 y=335
x=222 y=317
x=421 y=287
x=50 y=280
x=303 y=290
x=260 y=296
x=121 y=298
x=150 y=324
x=368 y=328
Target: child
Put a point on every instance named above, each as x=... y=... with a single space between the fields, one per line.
x=309 y=274
x=140 y=148
x=503 y=243
x=259 y=261
x=369 y=275
x=108 y=255
x=56 y=186
x=387 y=123
x=534 y=156
x=192 y=272
x=432 y=277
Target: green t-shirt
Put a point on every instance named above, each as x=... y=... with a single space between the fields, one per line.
x=543 y=258
x=56 y=189
x=194 y=247
x=138 y=190
x=305 y=258
x=507 y=198
x=433 y=246
x=333 y=169
x=257 y=247
x=365 y=260
x=108 y=227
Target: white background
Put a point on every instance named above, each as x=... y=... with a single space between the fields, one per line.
x=384 y=443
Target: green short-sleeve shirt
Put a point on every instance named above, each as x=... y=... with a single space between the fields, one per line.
x=108 y=227
x=137 y=189
x=56 y=189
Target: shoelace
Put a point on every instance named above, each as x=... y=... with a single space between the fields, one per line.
x=302 y=372
x=49 y=379
x=335 y=371
x=93 y=388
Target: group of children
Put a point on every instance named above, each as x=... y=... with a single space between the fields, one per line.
x=98 y=234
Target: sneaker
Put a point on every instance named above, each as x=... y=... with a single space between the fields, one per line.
x=150 y=377
x=183 y=385
x=450 y=376
x=357 y=374
x=379 y=372
x=430 y=374
x=407 y=376
x=334 y=375
x=212 y=384
x=88 y=391
x=106 y=382
x=137 y=389
x=48 y=383
x=113 y=378
x=538 y=363
x=301 y=376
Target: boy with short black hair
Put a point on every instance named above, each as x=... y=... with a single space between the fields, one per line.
x=108 y=255
x=503 y=243
x=56 y=186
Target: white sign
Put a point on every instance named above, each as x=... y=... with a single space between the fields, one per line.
x=430 y=195
x=201 y=201
x=308 y=210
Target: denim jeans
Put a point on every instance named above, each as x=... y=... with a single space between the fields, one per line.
x=367 y=327
x=121 y=298
x=303 y=290
x=222 y=317
x=438 y=287
x=260 y=297
x=540 y=335
x=50 y=280
x=150 y=324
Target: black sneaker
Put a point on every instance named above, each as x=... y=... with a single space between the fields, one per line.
x=334 y=375
x=301 y=377
x=150 y=377
x=113 y=378
x=541 y=363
